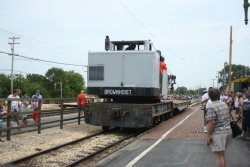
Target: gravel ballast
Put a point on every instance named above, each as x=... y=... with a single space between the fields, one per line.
x=25 y=144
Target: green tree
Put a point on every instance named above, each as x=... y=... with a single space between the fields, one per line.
x=191 y=92
x=19 y=82
x=74 y=83
x=5 y=81
x=4 y=85
x=37 y=82
x=181 y=90
x=237 y=72
x=55 y=76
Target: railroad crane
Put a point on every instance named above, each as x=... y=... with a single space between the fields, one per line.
x=127 y=75
x=128 y=71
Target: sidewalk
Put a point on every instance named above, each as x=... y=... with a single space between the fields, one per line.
x=183 y=146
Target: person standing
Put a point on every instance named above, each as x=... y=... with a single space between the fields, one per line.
x=163 y=67
x=35 y=115
x=36 y=99
x=81 y=101
x=15 y=106
x=2 y=112
x=219 y=133
x=24 y=107
x=229 y=102
x=204 y=100
x=246 y=116
x=240 y=99
x=206 y=104
x=236 y=104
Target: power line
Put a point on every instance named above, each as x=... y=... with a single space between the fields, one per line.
x=47 y=61
x=17 y=71
x=38 y=41
x=143 y=25
x=5 y=52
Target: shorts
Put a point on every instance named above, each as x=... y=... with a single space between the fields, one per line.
x=35 y=115
x=220 y=141
x=15 y=115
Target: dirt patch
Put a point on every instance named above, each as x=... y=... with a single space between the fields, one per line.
x=50 y=106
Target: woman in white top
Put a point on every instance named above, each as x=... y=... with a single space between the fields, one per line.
x=236 y=104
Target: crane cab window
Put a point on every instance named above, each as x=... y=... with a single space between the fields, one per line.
x=96 y=73
x=131 y=45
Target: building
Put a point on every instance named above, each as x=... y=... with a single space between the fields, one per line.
x=240 y=84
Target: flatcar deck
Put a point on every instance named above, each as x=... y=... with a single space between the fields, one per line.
x=129 y=115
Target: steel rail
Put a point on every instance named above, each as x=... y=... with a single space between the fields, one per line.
x=99 y=151
x=92 y=155
x=19 y=161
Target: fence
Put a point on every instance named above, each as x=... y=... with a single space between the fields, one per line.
x=11 y=114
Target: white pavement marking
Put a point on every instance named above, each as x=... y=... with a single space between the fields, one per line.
x=132 y=163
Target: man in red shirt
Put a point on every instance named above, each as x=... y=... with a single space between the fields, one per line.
x=81 y=100
x=163 y=67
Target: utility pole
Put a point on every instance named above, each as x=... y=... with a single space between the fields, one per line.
x=217 y=79
x=61 y=86
x=230 y=61
x=12 y=44
x=225 y=77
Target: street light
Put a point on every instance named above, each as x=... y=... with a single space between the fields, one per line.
x=245 y=6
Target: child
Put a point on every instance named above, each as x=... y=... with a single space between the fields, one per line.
x=1 y=122
x=35 y=115
x=24 y=107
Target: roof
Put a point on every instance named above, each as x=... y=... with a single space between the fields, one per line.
x=242 y=79
x=140 y=42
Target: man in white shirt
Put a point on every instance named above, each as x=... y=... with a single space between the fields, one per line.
x=15 y=105
x=206 y=104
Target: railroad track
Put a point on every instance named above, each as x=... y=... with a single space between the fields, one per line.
x=49 y=113
x=80 y=151
x=75 y=152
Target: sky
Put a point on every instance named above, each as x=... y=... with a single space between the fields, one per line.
x=192 y=35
